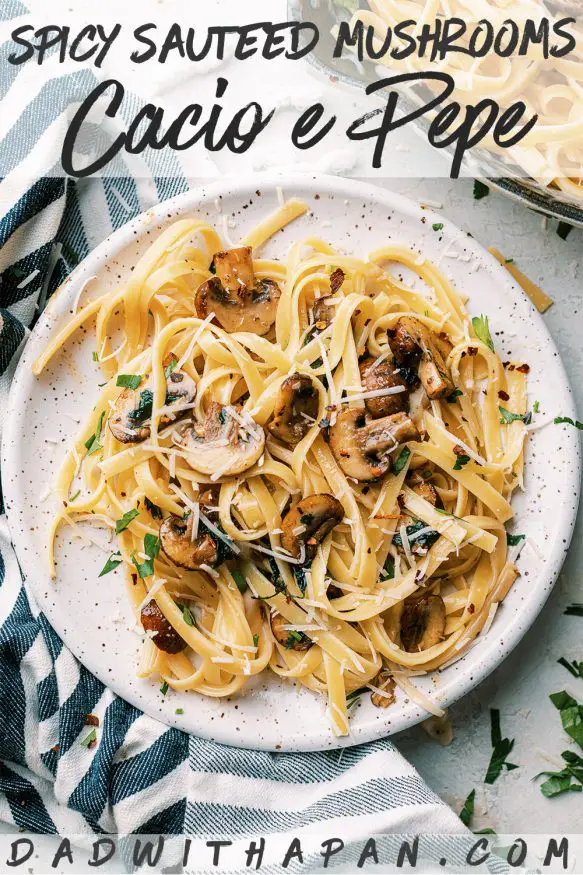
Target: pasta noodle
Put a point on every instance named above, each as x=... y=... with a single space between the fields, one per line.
x=308 y=464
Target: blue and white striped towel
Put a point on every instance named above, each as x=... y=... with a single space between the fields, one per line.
x=141 y=776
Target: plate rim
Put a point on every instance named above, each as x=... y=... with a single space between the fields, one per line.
x=180 y=205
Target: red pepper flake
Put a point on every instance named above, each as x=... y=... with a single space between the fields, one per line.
x=91 y=720
x=459 y=451
x=523 y=369
x=472 y=351
x=55 y=748
x=471 y=608
x=504 y=396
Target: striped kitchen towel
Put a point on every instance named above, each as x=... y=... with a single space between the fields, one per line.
x=140 y=776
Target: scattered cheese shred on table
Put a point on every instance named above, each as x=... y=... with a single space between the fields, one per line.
x=541 y=301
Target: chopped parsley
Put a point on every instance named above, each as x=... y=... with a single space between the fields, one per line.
x=575 y=610
x=437 y=226
x=564 y=781
x=93 y=444
x=560 y=420
x=126 y=519
x=151 y=549
x=295 y=637
x=77 y=494
x=164 y=688
x=460 y=461
x=300 y=578
x=187 y=615
x=502 y=747
x=451 y=399
x=571 y=712
x=153 y=509
x=95 y=356
x=564 y=229
x=128 y=381
x=575 y=668
x=427 y=539
x=506 y=417
x=89 y=739
x=570 y=778
x=240 y=580
x=275 y=577
x=179 y=711
x=389 y=571
x=514 y=540
x=401 y=460
x=480 y=190
x=354 y=697
x=144 y=409
x=467 y=811
x=113 y=561
x=482 y=331
x=170 y=367
x=256 y=640
x=536 y=407
x=508 y=261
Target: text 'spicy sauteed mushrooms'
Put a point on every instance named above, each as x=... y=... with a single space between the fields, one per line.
x=362 y=445
x=225 y=443
x=415 y=346
x=296 y=409
x=238 y=300
x=129 y=417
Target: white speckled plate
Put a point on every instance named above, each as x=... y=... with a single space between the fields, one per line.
x=91 y=614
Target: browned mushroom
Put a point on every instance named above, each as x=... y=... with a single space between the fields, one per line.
x=133 y=408
x=308 y=523
x=208 y=499
x=428 y=491
x=239 y=302
x=383 y=377
x=226 y=443
x=337 y=278
x=386 y=683
x=289 y=638
x=182 y=549
x=333 y=591
x=166 y=637
x=296 y=409
x=422 y=623
x=362 y=446
x=415 y=346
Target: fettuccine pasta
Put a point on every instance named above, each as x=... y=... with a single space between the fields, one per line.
x=307 y=464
